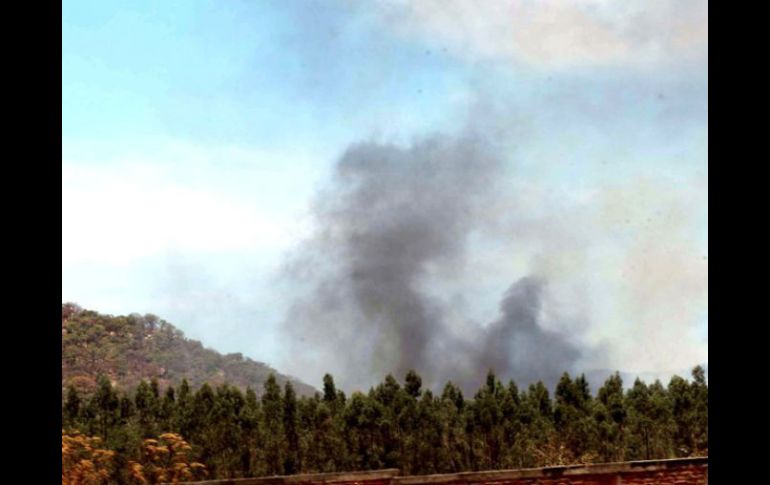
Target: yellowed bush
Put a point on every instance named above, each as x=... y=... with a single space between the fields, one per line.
x=83 y=461
x=166 y=460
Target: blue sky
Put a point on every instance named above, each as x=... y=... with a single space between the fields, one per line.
x=195 y=135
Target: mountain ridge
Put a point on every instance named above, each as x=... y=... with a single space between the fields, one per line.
x=131 y=348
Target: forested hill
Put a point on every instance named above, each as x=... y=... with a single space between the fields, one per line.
x=130 y=348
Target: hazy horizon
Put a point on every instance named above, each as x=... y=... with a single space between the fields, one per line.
x=362 y=188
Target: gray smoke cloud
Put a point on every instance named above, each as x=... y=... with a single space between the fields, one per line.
x=517 y=344
x=391 y=218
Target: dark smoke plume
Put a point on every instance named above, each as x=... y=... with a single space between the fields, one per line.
x=517 y=345
x=391 y=217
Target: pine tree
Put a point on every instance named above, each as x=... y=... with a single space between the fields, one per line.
x=611 y=416
x=663 y=422
x=224 y=436
x=487 y=415
x=274 y=443
x=145 y=404
x=200 y=420
x=431 y=454
x=72 y=407
x=127 y=410
x=537 y=425
x=413 y=384
x=683 y=413
x=106 y=405
x=330 y=391
x=451 y=414
x=390 y=395
x=167 y=411
x=511 y=427
x=573 y=418
x=292 y=460
x=641 y=421
x=248 y=420
x=700 y=397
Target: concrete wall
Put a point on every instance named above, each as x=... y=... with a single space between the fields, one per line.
x=687 y=471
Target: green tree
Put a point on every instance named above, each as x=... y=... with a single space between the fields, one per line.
x=106 y=404
x=431 y=456
x=700 y=398
x=413 y=384
x=537 y=426
x=611 y=416
x=663 y=421
x=488 y=415
x=184 y=410
x=511 y=428
x=683 y=413
x=200 y=421
x=573 y=418
x=392 y=400
x=248 y=420
x=330 y=391
x=167 y=411
x=292 y=459
x=452 y=406
x=127 y=410
x=224 y=435
x=641 y=421
x=72 y=407
x=274 y=442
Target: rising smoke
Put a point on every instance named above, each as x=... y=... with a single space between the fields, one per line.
x=391 y=216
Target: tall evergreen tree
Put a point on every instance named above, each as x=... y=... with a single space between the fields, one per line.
x=330 y=391
x=511 y=427
x=274 y=443
x=413 y=384
x=145 y=404
x=72 y=406
x=167 y=411
x=184 y=410
x=700 y=398
x=487 y=414
x=611 y=416
x=683 y=413
x=572 y=416
x=106 y=404
x=248 y=420
x=224 y=435
x=292 y=459
x=452 y=406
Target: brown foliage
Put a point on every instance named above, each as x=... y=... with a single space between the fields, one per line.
x=85 y=385
x=166 y=460
x=83 y=462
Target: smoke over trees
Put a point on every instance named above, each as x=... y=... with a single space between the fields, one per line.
x=391 y=217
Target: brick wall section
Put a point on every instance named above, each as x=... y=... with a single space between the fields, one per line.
x=686 y=471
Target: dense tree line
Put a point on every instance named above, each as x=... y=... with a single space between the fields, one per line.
x=401 y=425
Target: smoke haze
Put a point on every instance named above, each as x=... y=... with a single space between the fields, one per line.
x=557 y=219
x=390 y=216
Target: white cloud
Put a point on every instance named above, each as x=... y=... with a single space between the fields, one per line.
x=120 y=211
x=558 y=33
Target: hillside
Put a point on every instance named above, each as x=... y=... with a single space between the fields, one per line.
x=130 y=348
